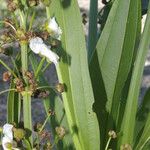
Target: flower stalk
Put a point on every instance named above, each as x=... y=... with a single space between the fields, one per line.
x=26 y=94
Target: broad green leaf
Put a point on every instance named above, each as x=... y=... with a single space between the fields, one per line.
x=55 y=103
x=128 y=123
x=73 y=71
x=114 y=54
x=92 y=32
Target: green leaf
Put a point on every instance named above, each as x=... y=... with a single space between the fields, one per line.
x=128 y=123
x=73 y=71
x=92 y=32
x=114 y=54
x=142 y=116
x=145 y=137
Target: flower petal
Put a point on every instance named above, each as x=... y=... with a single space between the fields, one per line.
x=54 y=29
x=39 y=47
x=51 y=56
x=35 y=44
x=7 y=131
x=5 y=142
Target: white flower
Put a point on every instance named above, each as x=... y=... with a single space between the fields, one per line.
x=54 y=29
x=7 y=139
x=39 y=47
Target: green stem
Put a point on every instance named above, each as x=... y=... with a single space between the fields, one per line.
x=39 y=67
x=27 y=113
x=24 y=59
x=107 y=145
x=27 y=116
x=44 y=87
x=31 y=20
x=47 y=65
x=44 y=123
x=15 y=65
x=5 y=22
x=8 y=68
x=8 y=90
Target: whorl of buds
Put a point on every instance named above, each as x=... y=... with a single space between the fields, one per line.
x=19 y=84
x=6 y=76
x=60 y=87
x=112 y=134
x=21 y=35
x=12 y=5
x=32 y=82
x=60 y=131
x=32 y=3
x=46 y=2
x=125 y=147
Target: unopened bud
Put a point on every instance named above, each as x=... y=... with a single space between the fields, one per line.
x=12 y=5
x=60 y=87
x=46 y=2
x=6 y=76
x=19 y=134
x=33 y=2
x=125 y=147
x=60 y=132
x=112 y=134
x=21 y=35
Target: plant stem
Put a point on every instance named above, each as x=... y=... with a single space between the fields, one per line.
x=39 y=67
x=107 y=145
x=27 y=113
x=44 y=123
x=7 y=91
x=47 y=65
x=8 y=68
x=27 y=116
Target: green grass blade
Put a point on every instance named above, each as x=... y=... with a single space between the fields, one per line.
x=73 y=71
x=128 y=123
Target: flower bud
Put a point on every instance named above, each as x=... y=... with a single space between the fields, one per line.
x=60 y=131
x=46 y=2
x=125 y=147
x=112 y=134
x=6 y=76
x=21 y=35
x=19 y=133
x=12 y=5
x=32 y=3
x=60 y=87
